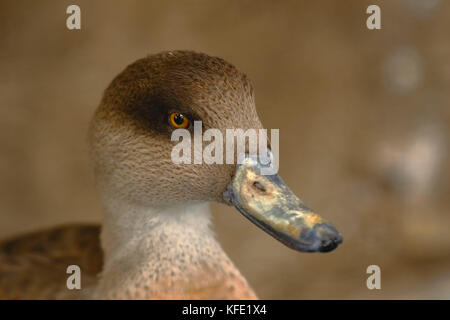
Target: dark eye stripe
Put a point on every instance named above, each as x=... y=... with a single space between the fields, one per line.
x=150 y=111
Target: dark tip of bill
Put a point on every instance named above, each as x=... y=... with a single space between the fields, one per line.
x=329 y=237
x=328 y=246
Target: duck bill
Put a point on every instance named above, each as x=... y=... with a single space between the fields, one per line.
x=267 y=202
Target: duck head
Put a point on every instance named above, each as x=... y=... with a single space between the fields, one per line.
x=131 y=146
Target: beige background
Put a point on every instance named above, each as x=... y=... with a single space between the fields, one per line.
x=363 y=117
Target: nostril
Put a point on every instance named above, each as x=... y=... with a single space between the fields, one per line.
x=259 y=186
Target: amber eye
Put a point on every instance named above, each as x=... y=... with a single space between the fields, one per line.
x=178 y=120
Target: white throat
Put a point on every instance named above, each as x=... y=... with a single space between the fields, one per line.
x=127 y=226
x=143 y=245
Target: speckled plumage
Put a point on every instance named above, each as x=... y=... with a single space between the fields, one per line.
x=156 y=238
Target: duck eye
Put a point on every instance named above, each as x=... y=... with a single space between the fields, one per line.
x=178 y=120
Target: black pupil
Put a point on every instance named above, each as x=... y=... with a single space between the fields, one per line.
x=178 y=119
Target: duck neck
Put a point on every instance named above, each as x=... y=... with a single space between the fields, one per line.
x=148 y=248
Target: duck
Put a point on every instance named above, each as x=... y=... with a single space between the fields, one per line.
x=156 y=239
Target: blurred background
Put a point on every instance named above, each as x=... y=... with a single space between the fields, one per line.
x=364 y=121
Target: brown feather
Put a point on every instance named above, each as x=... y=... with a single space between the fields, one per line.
x=34 y=266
